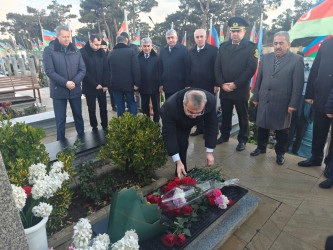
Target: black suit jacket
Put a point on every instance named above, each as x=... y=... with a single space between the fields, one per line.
x=202 y=67
x=174 y=118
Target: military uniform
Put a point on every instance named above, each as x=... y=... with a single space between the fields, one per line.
x=236 y=63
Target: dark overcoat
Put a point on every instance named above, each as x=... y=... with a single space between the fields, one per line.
x=236 y=64
x=320 y=80
x=174 y=68
x=202 y=67
x=62 y=67
x=149 y=69
x=124 y=68
x=97 y=70
x=277 y=90
x=174 y=118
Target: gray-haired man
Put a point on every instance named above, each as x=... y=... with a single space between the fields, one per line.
x=149 y=84
x=174 y=65
x=65 y=67
x=179 y=114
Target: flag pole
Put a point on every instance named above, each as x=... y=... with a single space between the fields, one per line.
x=210 y=32
x=126 y=21
x=172 y=25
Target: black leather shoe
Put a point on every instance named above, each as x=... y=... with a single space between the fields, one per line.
x=240 y=146
x=257 y=151
x=326 y=171
x=309 y=163
x=195 y=133
x=326 y=184
x=221 y=139
x=280 y=159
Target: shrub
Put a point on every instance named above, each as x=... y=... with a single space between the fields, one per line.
x=21 y=147
x=135 y=145
x=63 y=197
x=92 y=187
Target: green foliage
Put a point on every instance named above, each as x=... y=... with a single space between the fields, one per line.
x=206 y=174
x=63 y=197
x=135 y=145
x=90 y=186
x=21 y=147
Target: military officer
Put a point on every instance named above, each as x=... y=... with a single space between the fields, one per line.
x=235 y=65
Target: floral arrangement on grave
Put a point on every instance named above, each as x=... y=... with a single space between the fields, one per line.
x=83 y=233
x=31 y=200
x=182 y=199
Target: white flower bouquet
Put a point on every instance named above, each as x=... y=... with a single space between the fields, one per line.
x=31 y=200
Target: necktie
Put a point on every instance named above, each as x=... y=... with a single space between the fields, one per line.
x=146 y=56
x=170 y=50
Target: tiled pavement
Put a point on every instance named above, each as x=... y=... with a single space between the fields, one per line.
x=294 y=213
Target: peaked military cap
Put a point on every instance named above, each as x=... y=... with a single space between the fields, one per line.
x=237 y=23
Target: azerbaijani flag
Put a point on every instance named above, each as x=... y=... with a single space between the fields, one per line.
x=156 y=48
x=48 y=36
x=79 y=44
x=105 y=38
x=122 y=28
x=254 y=78
x=221 y=35
x=34 y=46
x=312 y=49
x=184 y=40
x=252 y=36
x=16 y=47
x=213 y=37
x=317 y=21
x=136 y=39
x=21 y=46
x=10 y=47
x=3 y=46
x=40 y=44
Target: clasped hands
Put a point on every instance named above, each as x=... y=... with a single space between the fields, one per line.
x=101 y=87
x=229 y=86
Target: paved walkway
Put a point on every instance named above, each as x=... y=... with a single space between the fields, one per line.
x=294 y=213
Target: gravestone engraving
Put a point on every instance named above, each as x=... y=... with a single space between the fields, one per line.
x=11 y=231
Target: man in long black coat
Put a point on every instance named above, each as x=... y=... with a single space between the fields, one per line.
x=318 y=90
x=202 y=60
x=179 y=114
x=125 y=75
x=149 y=84
x=235 y=65
x=95 y=82
x=174 y=65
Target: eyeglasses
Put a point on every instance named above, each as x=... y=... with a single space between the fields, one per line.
x=197 y=37
x=190 y=113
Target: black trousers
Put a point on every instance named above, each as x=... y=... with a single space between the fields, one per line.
x=182 y=139
x=155 y=101
x=167 y=95
x=91 y=102
x=321 y=126
x=242 y=109
x=281 y=139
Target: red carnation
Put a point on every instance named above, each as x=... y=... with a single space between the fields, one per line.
x=175 y=212
x=27 y=190
x=230 y=202
x=165 y=189
x=172 y=185
x=188 y=180
x=177 y=181
x=211 y=200
x=187 y=210
x=168 y=240
x=217 y=192
x=180 y=240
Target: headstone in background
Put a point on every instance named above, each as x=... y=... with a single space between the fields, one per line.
x=11 y=230
x=14 y=64
x=9 y=68
x=21 y=64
